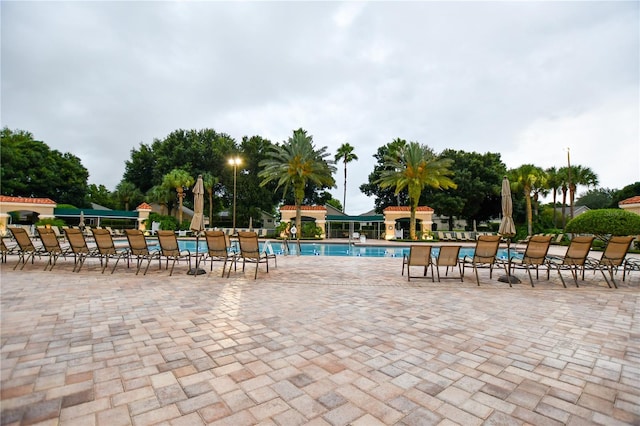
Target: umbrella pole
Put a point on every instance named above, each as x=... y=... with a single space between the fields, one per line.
x=511 y=279
x=197 y=271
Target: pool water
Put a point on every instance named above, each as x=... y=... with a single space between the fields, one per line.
x=336 y=249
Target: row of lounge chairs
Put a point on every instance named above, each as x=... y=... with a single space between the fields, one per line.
x=138 y=250
x=576 y=260
x=460 y=236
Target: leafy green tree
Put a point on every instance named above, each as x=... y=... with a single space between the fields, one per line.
x=210 y=183
x=127 y=193
x=385 y=197
x=99 y=194
x=335 y=204
x=198 y=151
x=477 y=196
x=294 y=164
x=416 y=168
x=554 y=183
x=179 y=180
x=161 y=195
x=599 y=198
x=253 y=198
x=29 y=168
x=140 y=170
x=580 y=175
x=605 y=222
x=346 y=155
x=524 y=179
x=624 y=193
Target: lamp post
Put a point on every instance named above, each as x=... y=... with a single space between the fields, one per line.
x=235 y=162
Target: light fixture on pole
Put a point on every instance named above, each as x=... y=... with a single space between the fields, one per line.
x=235 y=162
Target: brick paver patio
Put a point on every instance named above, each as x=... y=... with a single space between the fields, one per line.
x=318 y=340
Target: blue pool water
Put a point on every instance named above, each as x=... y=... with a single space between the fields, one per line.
x=333 y=249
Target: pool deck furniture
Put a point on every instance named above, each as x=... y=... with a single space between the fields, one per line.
x=79 y=247
x=51 y=245
x=26 y=249
x=612 y=259
x=139 y=249
x=484 y=255
x=573 y=260
x=535 y=256
x=219 y=249
x=250 y=252
x=170 y=250
x=419 y=255
x=107 y=249
x=448 y=256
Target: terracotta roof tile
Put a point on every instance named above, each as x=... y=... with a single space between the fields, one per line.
x=144 y=206
x=26 y=200
x=632 y=200
x=407 y=208
x=304 y=208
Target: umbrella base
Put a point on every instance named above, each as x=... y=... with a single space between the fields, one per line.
x=511 y=279
x=196 y=271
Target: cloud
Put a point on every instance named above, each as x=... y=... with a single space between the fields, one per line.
x=523 y=79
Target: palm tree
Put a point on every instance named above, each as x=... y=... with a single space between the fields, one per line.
x=554 y=183
x=178 y=179
x=127 y=192
x=161 y=195
x=415 y=167
x=210 y=182
x=580 y=175
x=295 y=163
x=525 y=178
x=345 y=153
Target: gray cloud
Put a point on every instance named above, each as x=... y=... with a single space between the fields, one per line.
x=525 y=79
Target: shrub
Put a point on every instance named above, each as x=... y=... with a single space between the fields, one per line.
x=605 y=222
x=168 y=223
x=51 y=221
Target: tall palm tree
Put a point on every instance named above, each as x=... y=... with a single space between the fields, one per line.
x=295 y=163
x=554 y=183
x=127 y=192
x=161 y=195
x=525 y=178
x=346 y=154
x=415 y=167
x=210 y=182
x=178 y=179
x=580 y=175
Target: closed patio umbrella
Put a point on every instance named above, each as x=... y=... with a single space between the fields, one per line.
x=81 y=223
x=507 y=227
x=197 y=221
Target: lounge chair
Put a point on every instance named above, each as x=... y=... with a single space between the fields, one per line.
x=79 y=247
x=139 y=249
x=250 y=251
x=107 y=250
x=612 y=258
x=219 y=249
x=535 y=255
x=419 y=255
x=51 y=245
x=573 y=260
x=448 y=256
x=26 y=249
x=484 y=255
x=170 y=250
x=6 y=250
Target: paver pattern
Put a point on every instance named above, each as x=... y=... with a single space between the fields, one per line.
x=317 y=340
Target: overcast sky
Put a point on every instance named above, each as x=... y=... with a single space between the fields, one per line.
x=524 y=79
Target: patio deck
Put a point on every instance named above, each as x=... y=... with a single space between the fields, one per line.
x=319 y=340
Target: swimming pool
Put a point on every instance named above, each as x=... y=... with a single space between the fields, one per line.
x=338 y=249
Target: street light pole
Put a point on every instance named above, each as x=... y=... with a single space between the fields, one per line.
x=235 y=162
